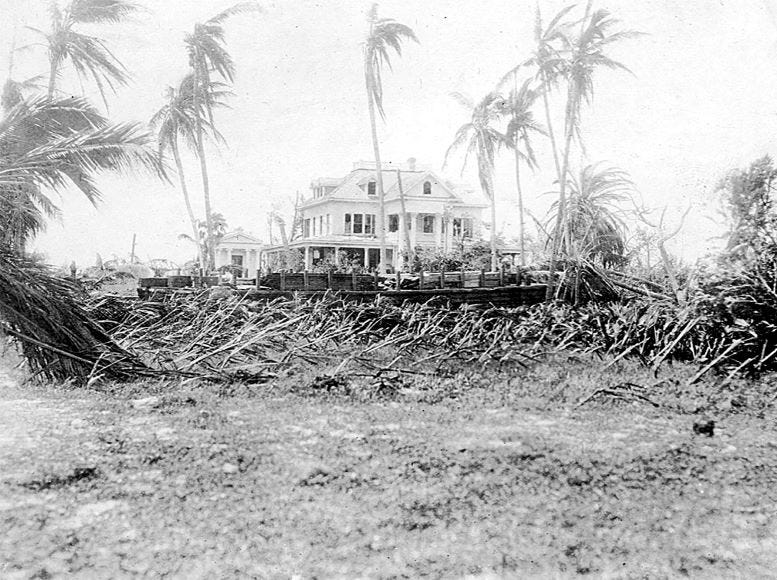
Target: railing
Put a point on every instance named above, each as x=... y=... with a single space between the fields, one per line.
x=318 y=281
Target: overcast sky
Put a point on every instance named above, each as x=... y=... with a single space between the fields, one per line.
x=700 y=102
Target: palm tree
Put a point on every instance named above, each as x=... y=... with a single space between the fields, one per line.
x=482 y=139
x=89 y=55
x=593 y=214
x=200 y=238
x=582 y=55
x=207 y=55
x=176 y=120
x=518 y=138
x=50 y=144
x=385 y=34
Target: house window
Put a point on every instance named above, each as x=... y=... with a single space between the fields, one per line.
x=428 y=224
x=371 y=188
x=462 y=227
x=314 y=227
x=358 y=223
x=393 y=223
x=369 y=223
x=347 y=229
x=427 y=188
x=306 y=229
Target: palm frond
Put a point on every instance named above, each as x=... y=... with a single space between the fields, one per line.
x=101 y=11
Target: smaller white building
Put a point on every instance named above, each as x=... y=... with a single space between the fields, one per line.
x=241 y=251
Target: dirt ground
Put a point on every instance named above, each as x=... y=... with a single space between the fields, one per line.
x=502 y=475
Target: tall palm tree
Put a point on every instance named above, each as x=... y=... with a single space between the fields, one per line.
x=89 y=55
x=482 y=139
x=176 y=121
x=518 y=137
x=51 y=144
x=385 y=34
x=207 y=56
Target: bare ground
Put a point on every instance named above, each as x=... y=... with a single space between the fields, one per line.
x=495 y=475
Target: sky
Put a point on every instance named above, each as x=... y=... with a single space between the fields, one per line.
x=699 y=102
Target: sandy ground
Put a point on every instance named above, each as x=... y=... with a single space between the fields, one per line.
x=183 y=483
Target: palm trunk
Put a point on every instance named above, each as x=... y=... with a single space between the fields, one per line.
x=521 y=226
x=550 y=125
x=490 y=194
x=52 y=78
x=378 y=167
x=187 y=201
x=559 y=232
x=406 y=232
x=210 y=255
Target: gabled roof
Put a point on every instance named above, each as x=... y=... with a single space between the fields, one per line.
x=240 y=237
x=354 y=185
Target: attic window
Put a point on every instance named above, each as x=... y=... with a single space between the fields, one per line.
x=427 y=188
x=371 y=188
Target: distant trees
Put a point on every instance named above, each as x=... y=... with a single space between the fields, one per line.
x=385 y=35
x=748 y=200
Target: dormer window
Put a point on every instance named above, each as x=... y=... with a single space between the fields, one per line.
x=371 y=188
x=427 y=188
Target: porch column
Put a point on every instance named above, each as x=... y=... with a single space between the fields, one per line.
x=337 y=256
x=413 y=229
x=401 y=233
x=307 y=257
x=438 y=231
x=366 y=258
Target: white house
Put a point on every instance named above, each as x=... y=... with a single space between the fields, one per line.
x=340 y=216
x=241 y=251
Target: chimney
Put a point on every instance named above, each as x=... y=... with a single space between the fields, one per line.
x=411 y=164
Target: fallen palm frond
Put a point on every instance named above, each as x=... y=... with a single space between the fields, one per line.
x=58 y=338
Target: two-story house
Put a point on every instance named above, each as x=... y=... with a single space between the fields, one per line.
x=340 y=216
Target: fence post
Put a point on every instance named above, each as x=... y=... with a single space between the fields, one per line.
x=501 y=276
x=283 y=280
x=399 y=280
x=353 y=280
x=376 y=279
x=442 y=278
x=463 y=278
x=329 y=279
x=482 y=280
x=421 y=280
x=305 y=280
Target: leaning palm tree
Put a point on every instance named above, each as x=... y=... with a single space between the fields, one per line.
x=520 y=127
x=47 y=145
x=208 y=56
x=88 y=55
x=385 y=34
x=175 y=121
x=480 y=138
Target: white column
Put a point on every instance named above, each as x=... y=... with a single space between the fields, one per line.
x=337 y=256
x=401 y=233
x=438 y=231
x=307 y=257
x=366 y=258
x=414 y=229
